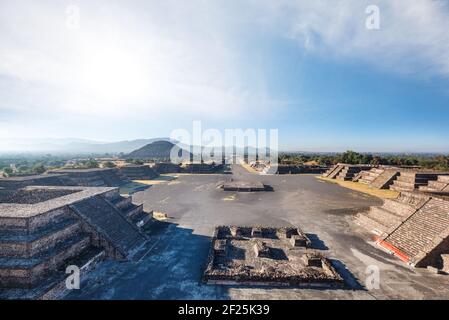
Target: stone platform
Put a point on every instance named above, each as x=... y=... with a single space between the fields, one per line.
x=104 y=177
x=410 y=180
x=378 y=178
x=267 y=256
x=34 y=180
x=244 y=186
x=138 y=172
x=44 y=229
x=441 y=185
x=414 y=227
x=345 y=172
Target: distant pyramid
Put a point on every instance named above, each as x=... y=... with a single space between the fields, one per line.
x=156 y=150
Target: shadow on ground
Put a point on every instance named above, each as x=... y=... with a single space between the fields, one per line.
x=171 y=269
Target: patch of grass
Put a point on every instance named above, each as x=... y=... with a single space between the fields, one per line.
x=360 y=187
x=160 y=216
x=230 y=197
x=158 y=180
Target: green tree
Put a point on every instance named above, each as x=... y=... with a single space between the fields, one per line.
x=38 y=169
x=91 y=163
x=109 y=164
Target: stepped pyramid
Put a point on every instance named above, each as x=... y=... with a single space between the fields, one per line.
x=350 y=171
x=380 y=220
x=440 y=185
x=333 y=171
x=345 y=172
x=96 y=177
x=414 y=227
x=45 y=229
x=379 y=178
x=412 y=180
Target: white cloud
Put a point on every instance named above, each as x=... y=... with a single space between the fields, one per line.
x=173 y=57
x=144 y=57
x=412 y=39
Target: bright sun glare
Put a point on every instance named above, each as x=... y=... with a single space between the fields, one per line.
x=113 y=74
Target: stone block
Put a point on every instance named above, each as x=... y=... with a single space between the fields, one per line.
x=261 y=250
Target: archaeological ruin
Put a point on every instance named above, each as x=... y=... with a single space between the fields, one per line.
x=138 y=172
x=45 y=229
x=245 y=186
x=35 y=180
x=414 y=227
x=345 y=172
x=107 y=177
x=267 y=256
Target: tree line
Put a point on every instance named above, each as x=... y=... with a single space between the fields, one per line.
x=435 y=162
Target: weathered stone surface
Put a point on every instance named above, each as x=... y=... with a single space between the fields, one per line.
x=43 y=228
x=267 y=260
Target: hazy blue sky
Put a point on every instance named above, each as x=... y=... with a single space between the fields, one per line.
x=140 y=69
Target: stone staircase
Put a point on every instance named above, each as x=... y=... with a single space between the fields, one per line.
x=422 y=237
x=333 y=171
x=411 y=180
x=367 y=177
x=31 y=251
x=111 y=225
x=440 y=185
x=349 y=171
x=381 y=220
x=385 y=179
x=134 y=213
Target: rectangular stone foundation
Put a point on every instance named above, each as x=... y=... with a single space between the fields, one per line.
x=242 y=186
x=271 y=257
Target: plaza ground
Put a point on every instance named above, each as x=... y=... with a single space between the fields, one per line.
x=195 y=204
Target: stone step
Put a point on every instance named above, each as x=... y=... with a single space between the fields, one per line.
x=53 y=286
x=110 y=224
x=428 y=189
x=443 y=178
x=133 y=211
x=335 y=172
x=122 y=202
x=33 y=223
x=370 y=177
x=385 y=179
x=18 y=272
x=399 y=208
x=364 y=181
x=385 y=216
x=404 y=185
x=399 y=189
x=413 y=198
x=414 y=180
x=20 y=243
x=437 y=185
x=369 y=224
x=422 y=229
x=142 y=218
